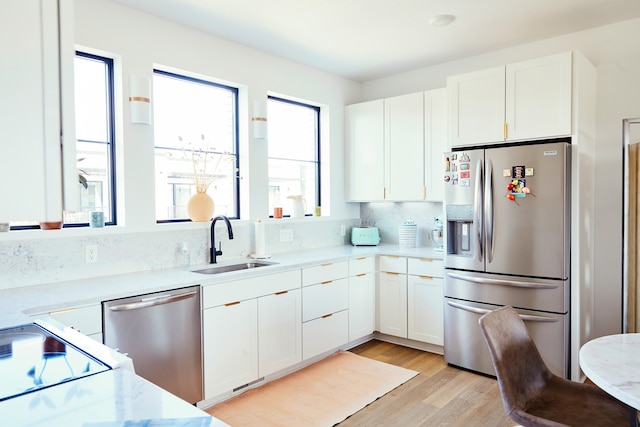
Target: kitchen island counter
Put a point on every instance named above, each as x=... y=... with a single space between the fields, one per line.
x=107 y=399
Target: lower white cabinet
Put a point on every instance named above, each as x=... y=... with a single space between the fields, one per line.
x=425 y=310
x=392 y=303
x=230 y=346
x=410 y=298
x=362 y=301
x=86 y=319
x=325 y=333
x=256 y=333
x=279 y=331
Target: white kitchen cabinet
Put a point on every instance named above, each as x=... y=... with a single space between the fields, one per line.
x=36 y=110
x=362 y=297
x=392 y=296
x=425 y=299
x=279 y=331
x=230 y=346
x=404 y=147
x=525 y=100
x=250 y=328
x=325 y=303
x=436 y=140
x=84 y=318
x=364 y=123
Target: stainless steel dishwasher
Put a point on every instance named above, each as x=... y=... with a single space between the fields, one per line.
x=161 y=334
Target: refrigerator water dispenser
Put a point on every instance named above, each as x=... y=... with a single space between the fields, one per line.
x=460 y=229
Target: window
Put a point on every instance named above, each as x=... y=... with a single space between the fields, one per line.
x=95 y=137
x=294 y=154
x=194 y=121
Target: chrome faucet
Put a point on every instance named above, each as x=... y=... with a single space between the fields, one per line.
x=214 y=253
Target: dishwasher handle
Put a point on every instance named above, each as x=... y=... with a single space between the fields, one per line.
x=152 y=302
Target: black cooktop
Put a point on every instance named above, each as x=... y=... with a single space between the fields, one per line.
x=32 y=358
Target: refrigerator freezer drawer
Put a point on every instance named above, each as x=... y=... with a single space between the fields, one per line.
x=518 y=292
x=464 y=344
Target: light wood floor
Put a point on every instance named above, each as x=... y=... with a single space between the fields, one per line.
x=439 y=396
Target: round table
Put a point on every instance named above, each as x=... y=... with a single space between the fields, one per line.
x=612 y=362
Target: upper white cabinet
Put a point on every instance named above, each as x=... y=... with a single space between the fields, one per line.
x=395 y=146
x=525 y=100
x=404 y=147
x=365 y=144
x=436 y=137
x=36 y=110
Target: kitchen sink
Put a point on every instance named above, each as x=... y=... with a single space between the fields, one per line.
x=234 y=267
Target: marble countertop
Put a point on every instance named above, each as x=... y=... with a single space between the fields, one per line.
x=18 y=304
x=612 y=362
x=107 y=399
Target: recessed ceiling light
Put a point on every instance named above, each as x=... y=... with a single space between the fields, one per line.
x=441 y=20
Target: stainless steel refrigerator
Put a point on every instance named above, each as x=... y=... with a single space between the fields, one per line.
x=507 y=234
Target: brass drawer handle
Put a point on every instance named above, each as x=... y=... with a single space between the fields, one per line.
x=326 y=265
x=327 y=282
x=327 y=315
x=392 y=274
x=281 y=292
x=426 y=259
x=229 y=304
x=361 y=274
x=361 y=258
x=427 y=277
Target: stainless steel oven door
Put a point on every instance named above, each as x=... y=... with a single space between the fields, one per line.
x=464 y=344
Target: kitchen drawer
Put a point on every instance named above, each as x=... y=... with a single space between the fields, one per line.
x=324 y=298
x=86 y=319
x=393 y=264
x=324 y=334
x=324 y=272
x=239 y=290
x=361 y=265
x=426 y=267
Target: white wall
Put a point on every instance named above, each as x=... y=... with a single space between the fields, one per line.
x=138 y=42
x=614 y=51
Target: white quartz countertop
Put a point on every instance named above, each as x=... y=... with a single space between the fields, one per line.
x=17 y=304
x=113 y=398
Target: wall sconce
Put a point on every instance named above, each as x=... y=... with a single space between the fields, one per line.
x=259 y=120
x=140 y=99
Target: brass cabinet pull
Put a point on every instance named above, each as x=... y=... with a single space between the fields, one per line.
x=326 y=265
x=281 y=293
x=229 y=304
x=393 y=256
x=361 y=258
x=392 y=274
x=426 y=259
x=361 y=274
x=504 y=131
x=327 y=282
x=327 y=315
x=426 y=277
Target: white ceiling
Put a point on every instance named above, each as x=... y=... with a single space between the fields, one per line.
x=368 y=39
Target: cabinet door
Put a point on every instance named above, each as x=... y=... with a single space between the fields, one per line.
x=425 y=309
x=392 y=304
x=476 y=107
x=30 y=119
x=364 y=124
x=538 y=97
x=362 y=305
x=230 y=339
x=324 y=298
x=279 y=331
x=404 y=147
x=435 y=142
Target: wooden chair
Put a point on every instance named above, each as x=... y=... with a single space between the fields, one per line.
x=531 y=394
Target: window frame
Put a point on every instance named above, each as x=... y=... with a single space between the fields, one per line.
x=235 y=127
x=318 y=150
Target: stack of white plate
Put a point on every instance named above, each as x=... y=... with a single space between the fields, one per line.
x=407 y=235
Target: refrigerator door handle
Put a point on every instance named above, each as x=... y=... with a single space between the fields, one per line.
x=510 y=283
x=477 y=209
x=483 y=311
x=488 y=214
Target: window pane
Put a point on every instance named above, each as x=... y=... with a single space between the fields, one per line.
x=195 y=139
x=91 y=98
x=294 y=167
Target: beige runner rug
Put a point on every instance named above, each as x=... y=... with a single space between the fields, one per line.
x=321 y=394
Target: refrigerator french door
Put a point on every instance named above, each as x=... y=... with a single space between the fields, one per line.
x=507 y=230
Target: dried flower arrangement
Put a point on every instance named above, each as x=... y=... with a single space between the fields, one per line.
x=202 y=158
